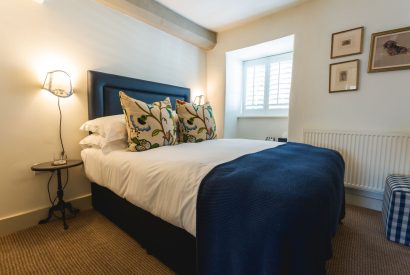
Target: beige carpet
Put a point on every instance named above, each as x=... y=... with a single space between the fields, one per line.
x=360 y=247
x=93 y=245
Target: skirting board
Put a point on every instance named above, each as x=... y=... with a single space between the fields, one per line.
x=366 y=199
x=28 y=219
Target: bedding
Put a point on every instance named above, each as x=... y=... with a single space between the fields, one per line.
x=165 y=181
x=148 y=125
x=99 y=142
x=112 y=128
x=271 y=212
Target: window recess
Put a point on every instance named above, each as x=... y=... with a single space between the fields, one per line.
x=267 y=85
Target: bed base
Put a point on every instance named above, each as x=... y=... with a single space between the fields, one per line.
x=172 y=245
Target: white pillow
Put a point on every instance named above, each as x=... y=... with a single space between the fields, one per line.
x=110 y=127
x=97 y=141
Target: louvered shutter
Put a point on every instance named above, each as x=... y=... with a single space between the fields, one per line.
x=267 y=83
x=255 y=87
x=279 y=83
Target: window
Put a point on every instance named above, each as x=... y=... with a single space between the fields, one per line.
x=267 y=84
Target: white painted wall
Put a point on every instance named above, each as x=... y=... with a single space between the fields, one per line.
x=75 y=35
x=260 y=128
x=381 y=104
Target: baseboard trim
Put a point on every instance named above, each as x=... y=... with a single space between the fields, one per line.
x=30 y=218
x=8 y=225
x=366 y=199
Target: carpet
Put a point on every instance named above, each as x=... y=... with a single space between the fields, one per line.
x=360 y=247
x=93 y=245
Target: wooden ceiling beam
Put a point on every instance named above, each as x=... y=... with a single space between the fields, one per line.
x=161 y=17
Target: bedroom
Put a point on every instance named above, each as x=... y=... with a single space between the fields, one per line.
x=87 y=35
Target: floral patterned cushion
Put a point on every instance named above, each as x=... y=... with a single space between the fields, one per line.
x=177 y=126
x=149 y=125
x=196 y=122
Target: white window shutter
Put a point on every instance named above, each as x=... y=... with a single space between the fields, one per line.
x=255 y=87
x=267 y=83
x=280 y=83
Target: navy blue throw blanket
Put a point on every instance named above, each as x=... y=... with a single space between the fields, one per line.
x=270 y=212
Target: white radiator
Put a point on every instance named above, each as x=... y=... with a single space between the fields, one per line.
x=369 y=156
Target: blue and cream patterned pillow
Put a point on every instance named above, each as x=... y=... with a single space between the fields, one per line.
x=149 y=125
x=196 y=122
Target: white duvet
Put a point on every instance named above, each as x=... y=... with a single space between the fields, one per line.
x=165 y=181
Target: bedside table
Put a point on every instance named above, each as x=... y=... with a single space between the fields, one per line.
x=61 y=204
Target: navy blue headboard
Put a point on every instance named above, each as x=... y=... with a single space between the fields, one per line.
x=103 y=99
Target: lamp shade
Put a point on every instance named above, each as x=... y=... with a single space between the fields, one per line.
x=199 y=99
x=58 y=83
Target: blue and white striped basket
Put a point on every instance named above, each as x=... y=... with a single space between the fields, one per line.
x=396 y=209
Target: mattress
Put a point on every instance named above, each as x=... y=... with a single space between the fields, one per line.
x=165 y=181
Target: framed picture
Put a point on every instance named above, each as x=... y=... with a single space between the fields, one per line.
x=390 y=50
x=347 y=43
x=344 y=76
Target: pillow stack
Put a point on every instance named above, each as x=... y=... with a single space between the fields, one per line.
x=108 y=133
x=148 y=126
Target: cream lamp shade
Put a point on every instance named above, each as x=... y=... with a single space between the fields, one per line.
x=199 y=99
x=58 y=83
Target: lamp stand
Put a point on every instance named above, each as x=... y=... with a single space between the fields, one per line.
x=62 y=159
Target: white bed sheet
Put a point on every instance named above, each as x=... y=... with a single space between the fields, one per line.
x=165 y=181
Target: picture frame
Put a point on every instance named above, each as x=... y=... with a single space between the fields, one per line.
x=344 y=76
x=347 y=43
x=390 y=51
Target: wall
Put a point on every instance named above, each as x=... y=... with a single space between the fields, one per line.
x=75 y=35
x=381 y=104
x=260 y=128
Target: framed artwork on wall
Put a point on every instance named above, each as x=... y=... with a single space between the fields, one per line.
x=390 y=50
x=347 y=43
x=344 y=76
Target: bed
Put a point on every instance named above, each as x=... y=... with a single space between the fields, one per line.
x=204 y=244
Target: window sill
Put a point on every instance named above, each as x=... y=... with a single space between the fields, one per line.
x=261 y=116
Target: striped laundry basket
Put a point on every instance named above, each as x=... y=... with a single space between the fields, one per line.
x=396 y=209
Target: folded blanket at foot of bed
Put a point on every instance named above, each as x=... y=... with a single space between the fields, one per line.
x=271 y=212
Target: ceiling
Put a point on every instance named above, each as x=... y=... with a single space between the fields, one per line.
x=220 y=15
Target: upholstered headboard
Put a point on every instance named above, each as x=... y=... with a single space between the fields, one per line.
x=103 y=99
